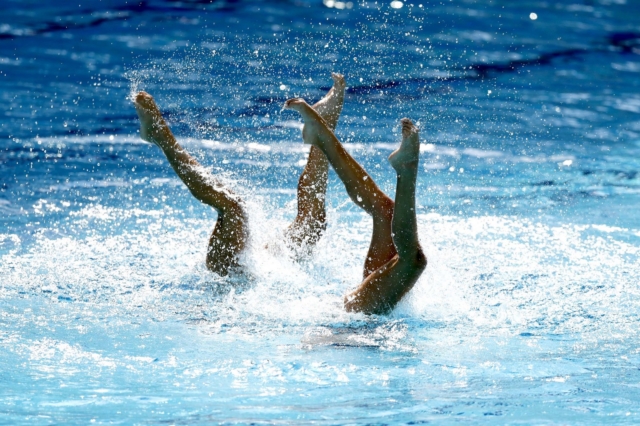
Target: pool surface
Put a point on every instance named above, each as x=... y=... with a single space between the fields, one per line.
x=528 y=208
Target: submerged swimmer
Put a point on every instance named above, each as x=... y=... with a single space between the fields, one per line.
x=395 y=259
x=230 y=234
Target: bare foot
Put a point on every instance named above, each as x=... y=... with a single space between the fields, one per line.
x=330 y=106
x=296 y=104
x=312 y=120
x=151 y=121
x=338 y=80
x=409 y=150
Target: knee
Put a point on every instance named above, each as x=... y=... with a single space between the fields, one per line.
x=234 y=218
x=387 y=206
x=420 y=259
x=381 y=208
x=236 y=211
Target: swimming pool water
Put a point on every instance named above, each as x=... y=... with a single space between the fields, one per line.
x=528 y=200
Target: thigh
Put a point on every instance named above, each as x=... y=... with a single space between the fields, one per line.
x=381 y=248
x=228 y=239
x=381 y=291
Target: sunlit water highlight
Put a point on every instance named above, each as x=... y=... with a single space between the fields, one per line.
x=527 y=204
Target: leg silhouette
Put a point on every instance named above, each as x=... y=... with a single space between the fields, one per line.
x=311 y=220
x=229 y=235
x=384 y=286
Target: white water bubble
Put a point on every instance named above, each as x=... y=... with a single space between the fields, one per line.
x=396 y=4
x=533 y=16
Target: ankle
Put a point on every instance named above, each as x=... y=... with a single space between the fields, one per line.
x=407 y=166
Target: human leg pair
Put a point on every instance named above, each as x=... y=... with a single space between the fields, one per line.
x=395 y=259
x=230 y=233
x=310 y=222
x=229 y=236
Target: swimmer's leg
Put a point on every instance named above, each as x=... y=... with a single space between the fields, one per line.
x=359 y=185
x=230 y=233
x=310 y=223
x=382 y=290
x=330 y=106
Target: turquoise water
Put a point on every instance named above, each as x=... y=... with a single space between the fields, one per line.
x=528 y=200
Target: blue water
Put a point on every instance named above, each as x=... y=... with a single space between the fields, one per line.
x=528 y=201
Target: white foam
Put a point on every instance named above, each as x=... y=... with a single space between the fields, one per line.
x=494 y=272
